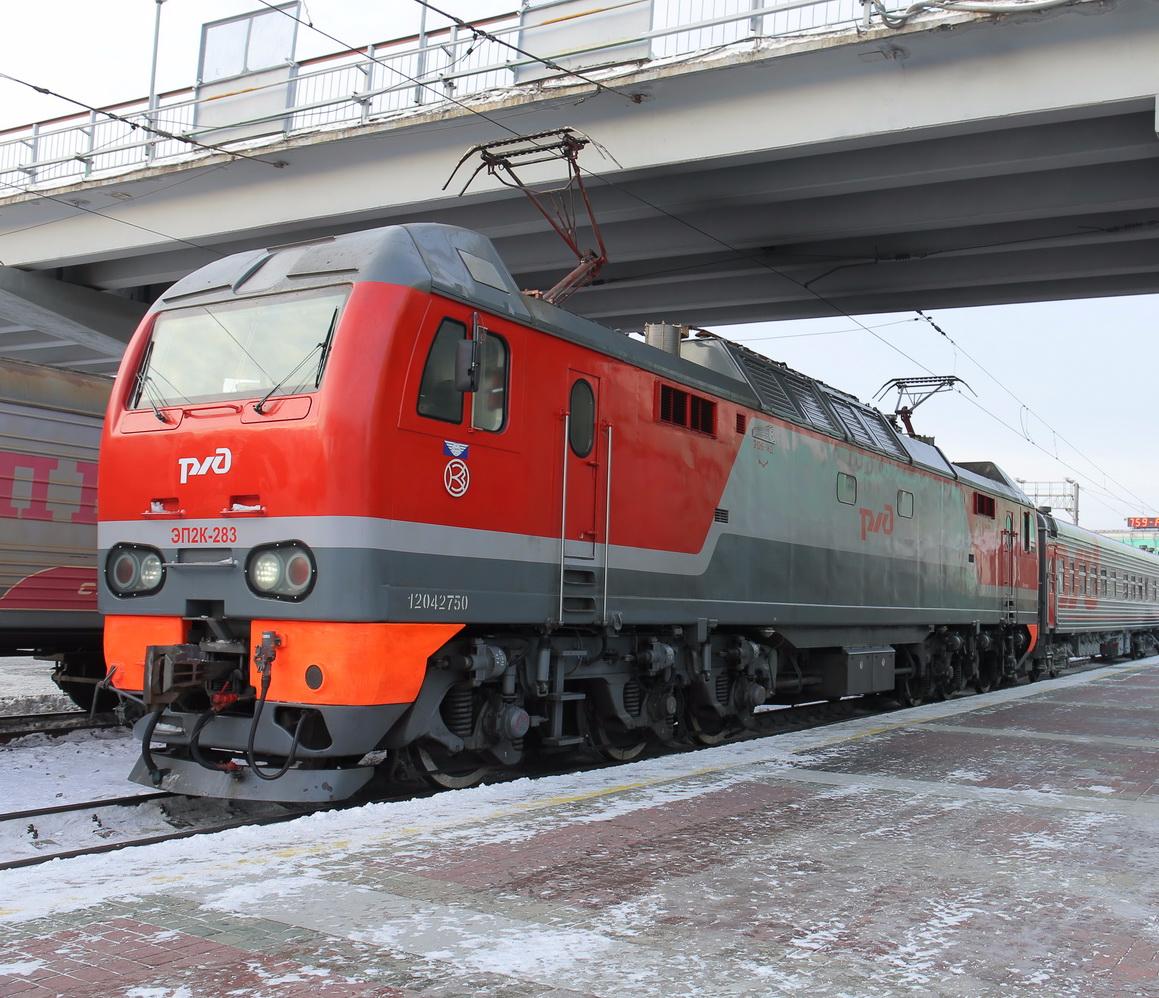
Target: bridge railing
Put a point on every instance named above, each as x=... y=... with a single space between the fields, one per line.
x=396 y=78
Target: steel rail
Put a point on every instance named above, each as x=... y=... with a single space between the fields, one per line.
x=20 y=725
x=128 y=800
x=766 y=724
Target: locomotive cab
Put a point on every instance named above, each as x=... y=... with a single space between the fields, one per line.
x=250 y=466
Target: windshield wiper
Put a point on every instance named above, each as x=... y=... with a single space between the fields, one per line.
x=145 y=387
x=324 y=347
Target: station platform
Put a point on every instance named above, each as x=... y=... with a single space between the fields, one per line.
x=999 y=844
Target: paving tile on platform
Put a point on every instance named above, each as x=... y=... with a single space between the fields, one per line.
x=1079 y=719
x=1003 y=762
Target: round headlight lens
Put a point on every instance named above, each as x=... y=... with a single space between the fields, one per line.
x=284 y=570
x=299 y=571
x=124 y=572
x=266 y=571
x=150 y=571
x=134 y=570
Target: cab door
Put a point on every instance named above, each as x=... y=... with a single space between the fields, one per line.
x=583 y=470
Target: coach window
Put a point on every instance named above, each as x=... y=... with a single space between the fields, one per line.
x=846 y=488
x=1083 y=578
x=438 y=397
x=905 y=503
x=1103 y=580
x=581 y=426
x=489 y=410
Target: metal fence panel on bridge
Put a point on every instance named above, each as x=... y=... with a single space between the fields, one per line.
x=424 y=72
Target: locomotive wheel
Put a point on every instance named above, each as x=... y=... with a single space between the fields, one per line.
x=615 y=742
x=446 y=770
x=906 y=691
x=712 y=733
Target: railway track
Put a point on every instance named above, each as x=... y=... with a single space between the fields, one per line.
x=19 y=725
x=275 y=815
x=768 y=723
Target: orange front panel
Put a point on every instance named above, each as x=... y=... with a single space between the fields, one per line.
x=362 y=664
x=127 y=638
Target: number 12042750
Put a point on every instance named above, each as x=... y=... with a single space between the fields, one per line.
x=444 y=602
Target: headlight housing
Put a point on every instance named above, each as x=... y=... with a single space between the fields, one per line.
x=134 y=570
x=285 y=570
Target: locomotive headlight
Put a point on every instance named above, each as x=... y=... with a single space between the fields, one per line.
x=282 y=571
x=266 y=571
x=151 y=570
x=132 y=570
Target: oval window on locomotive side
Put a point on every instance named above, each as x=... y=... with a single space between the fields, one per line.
x=581 y=432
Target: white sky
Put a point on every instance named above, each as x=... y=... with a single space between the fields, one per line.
x=1086 y=368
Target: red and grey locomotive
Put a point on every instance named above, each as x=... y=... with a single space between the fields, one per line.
x=362 y=500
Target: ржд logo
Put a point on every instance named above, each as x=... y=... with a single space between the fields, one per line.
x=219 y=462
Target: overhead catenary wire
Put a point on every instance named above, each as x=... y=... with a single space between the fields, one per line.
x=478 y=32
x=111 y=218
x=1027 y=407
x=738 y=253
x=134 y=125
x=606 y=181
x=147 y=194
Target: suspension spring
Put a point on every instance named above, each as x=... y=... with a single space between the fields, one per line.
x=633 y=698
x=458 y=710
x=722 y=686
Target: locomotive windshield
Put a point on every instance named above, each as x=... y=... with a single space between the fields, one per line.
x=275 y=345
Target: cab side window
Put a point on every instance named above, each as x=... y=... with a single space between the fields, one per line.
x=438 y=397
x=489 y=409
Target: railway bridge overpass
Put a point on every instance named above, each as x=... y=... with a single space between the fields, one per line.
x=782 y=160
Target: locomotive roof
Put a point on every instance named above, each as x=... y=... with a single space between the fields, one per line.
x=463 y=265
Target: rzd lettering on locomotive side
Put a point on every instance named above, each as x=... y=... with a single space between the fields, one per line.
x=219 y=462
x=873 y=522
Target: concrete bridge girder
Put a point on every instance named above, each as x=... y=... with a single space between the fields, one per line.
x=49 y=321
x=972 y=160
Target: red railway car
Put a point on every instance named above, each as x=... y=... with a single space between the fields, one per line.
x=50 y=426
x=361 y=499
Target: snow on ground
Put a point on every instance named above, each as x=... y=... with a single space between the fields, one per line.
x=282 y=857
x=26 y=687
x=42 y=770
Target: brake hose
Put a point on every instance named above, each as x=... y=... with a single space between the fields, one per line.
x=155 y=774
x=195 y=746
x=249 y=749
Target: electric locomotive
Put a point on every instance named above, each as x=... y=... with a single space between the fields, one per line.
x=363 y=503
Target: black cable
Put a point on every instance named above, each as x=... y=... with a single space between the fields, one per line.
x=134 y=125
x=249 y=749
x=480 y=33
x=136 y=200
x=978 y=364
x=398 y=72
x=195 y=745
x=737 y=253
x=111 y=218
x=155 y=774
